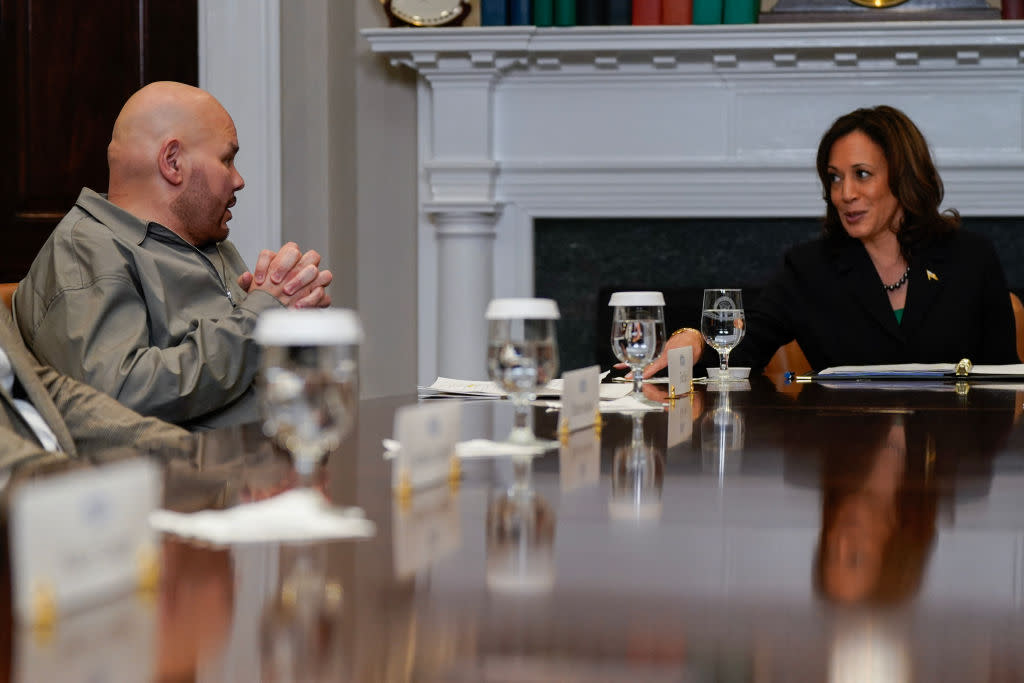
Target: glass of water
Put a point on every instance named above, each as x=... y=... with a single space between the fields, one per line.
x=638 y=333
x=722 y=325
x=522 y=355
x=308 y=381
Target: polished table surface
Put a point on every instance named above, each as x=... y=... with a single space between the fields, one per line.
x=772 y=533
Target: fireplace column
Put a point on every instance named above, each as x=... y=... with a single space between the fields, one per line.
x=459 y=175
x=465 y=248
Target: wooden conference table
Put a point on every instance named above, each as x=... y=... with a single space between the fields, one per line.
x=805 y=533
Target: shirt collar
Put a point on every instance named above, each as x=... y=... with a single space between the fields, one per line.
x=114 y=217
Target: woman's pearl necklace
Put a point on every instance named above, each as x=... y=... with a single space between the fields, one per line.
x=899 y=283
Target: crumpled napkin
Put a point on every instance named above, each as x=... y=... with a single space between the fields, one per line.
x=626 y=404
x=293 y=516
x=480 y=448
x=485 y=448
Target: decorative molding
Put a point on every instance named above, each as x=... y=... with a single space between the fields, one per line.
x=686 y=121
x=240 y=64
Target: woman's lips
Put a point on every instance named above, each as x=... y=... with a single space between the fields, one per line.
x=853 y=217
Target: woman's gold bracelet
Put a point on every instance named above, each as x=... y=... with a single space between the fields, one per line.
x=686 y=329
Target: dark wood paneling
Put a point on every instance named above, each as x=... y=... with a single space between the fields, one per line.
x=171 y=41
x=68 y=68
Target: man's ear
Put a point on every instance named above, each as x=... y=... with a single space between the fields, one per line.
x=171 y=162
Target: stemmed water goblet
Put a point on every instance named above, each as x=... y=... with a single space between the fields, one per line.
x=308 y=381
x=638 y=334
x=722 y=326
x=522 y=355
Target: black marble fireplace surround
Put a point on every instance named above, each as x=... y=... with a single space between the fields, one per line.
x=580 y=261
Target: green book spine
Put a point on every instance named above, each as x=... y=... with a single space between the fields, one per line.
x=565 y=12
x=543 y=12
x=740 y=11
x=707 y=11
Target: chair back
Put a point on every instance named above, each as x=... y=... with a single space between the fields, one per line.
x=789 y=358
x=7 y=292
x=1018 y=318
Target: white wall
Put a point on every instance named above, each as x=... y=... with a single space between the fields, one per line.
x=349 y=175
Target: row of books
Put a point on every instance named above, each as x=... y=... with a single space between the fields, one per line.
x=616 y=12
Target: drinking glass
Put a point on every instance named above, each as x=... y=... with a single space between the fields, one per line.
x=638 y=333
x=308 y=381
x=522 y=355
x=722 y=325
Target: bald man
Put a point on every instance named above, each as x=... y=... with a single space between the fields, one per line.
x=139 y=293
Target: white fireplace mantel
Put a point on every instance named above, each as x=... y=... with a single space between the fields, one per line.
x=517 y=123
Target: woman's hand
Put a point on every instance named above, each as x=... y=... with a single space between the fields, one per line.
x=687 y=336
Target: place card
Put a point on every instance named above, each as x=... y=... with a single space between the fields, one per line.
x=680 y=371
x=579 y=460
x=81 y=537
x=426 y=527
x=426 y=434
x=580 y=396
x=115 y=641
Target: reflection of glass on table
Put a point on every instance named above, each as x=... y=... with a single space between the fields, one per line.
x=721 y=437
x=520 y=543
x=638 y=471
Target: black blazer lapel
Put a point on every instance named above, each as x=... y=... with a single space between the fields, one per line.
x=860 y=279
x=927 y=280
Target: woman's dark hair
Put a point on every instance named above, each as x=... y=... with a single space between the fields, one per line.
x=913 y=179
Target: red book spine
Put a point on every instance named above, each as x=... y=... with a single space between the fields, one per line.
x=1013 y=9
x=646 y=12
x=677 y=11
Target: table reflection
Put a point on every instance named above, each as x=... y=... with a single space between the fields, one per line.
x=721 y=435
x=883 y=477
x=638 y=471
x=520 y=543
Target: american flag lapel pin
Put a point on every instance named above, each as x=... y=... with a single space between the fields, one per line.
x=931 y=275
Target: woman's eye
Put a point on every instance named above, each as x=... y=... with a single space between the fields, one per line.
x=833 y=178
x=861 y=173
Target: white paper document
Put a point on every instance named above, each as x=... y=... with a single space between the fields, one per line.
x=919 y=370
x=485 y=388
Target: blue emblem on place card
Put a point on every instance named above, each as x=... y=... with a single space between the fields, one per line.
x=95 y=510
x=583 y=385
x=433 y=426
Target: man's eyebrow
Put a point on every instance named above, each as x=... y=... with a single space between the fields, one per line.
x=234 y=147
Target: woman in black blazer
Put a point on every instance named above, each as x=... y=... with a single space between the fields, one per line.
x=891 y=280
